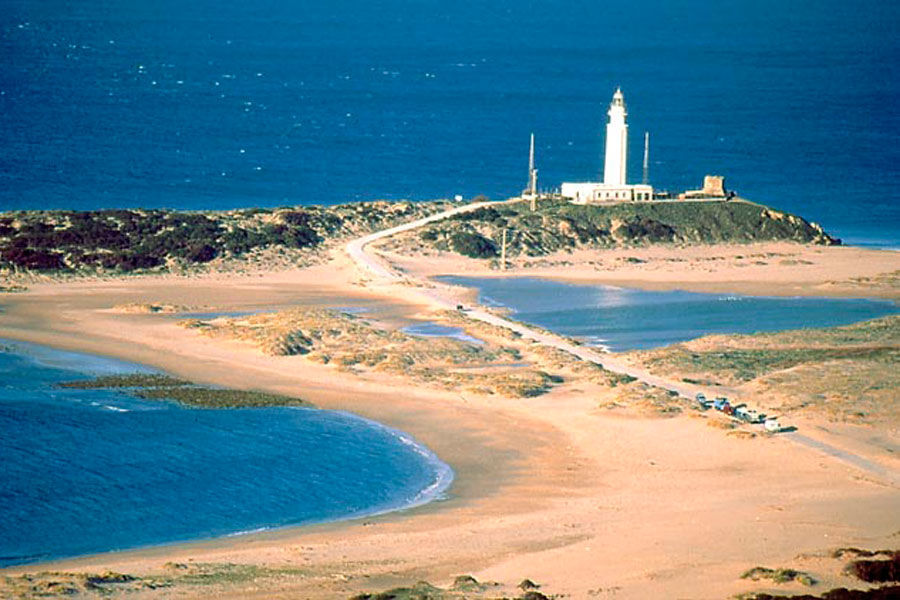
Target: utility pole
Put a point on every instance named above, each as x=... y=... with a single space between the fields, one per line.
x=646 y=178
x=503 y=252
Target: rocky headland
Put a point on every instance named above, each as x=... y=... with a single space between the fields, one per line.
x=558 y=225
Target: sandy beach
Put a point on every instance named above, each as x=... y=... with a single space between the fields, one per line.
x=588 y=503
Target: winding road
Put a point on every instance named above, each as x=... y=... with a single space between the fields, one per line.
x=440 y=295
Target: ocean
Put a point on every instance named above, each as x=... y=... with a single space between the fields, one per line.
x=87 y=471
x=216 y=105
x=620 y=319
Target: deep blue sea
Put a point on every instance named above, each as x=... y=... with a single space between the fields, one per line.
x=221 y=104
x=86 y=471
x=622 y=319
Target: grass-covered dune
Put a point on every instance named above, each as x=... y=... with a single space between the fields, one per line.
x=847 y=373
x=356 y=345
x=559 y=225
x=136 y=240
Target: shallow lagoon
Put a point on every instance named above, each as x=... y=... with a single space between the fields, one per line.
x=627 y=319
x=88 y=471
x=428 y=329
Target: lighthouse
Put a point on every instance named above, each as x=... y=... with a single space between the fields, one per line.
x=615 y=165
x=616 y=159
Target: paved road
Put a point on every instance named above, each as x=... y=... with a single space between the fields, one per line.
x=356 y=248
x=857 y=461
x=441 y=295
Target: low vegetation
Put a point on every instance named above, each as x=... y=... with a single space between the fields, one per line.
x=860 y=553
x=779 y=575
x=53 y=584
x=504 y=365
x=354 y=344
x=210 y=574
x=616 y=391
x=162 y=387
x=739 y=365
x=207 y=397
x=464 y=586
x=558 y=225
x=160 y=240
x=126 y=380
x=149 y=308
x=473 y=245
x=883 y=593
x=875 y=570
x=847 y=373
x=212 y=578
x=880 y=566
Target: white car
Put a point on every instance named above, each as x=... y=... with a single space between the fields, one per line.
x=753 y=416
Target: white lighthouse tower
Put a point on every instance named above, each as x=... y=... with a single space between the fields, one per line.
x=615 y=164
x=616 y=160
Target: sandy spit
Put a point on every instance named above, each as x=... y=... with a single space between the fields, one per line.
x=588 y=503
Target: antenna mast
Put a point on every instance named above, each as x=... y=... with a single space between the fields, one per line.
x=646 y=178
x=532 y=176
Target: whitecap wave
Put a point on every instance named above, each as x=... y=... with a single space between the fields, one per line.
x=249 y=531
x=597 y=342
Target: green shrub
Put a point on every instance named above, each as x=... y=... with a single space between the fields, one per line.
x=473 y=245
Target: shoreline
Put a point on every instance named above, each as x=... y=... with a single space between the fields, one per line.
x=474 y=477
x=547 y=488
x=437 y=491
x=761 y=269
x=460 y=491
x=712 y=288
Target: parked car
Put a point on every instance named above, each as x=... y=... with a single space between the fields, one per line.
x=772 y=424
x=720 y=403
x=703 y=402
x=752 y=416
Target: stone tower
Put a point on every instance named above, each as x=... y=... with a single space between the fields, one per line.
x=616 y=160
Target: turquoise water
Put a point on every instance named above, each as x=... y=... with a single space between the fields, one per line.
x=87 y=471
x=627 y=319
x=227 y=104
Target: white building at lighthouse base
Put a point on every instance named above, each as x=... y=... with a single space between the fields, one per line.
x=593 y=192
